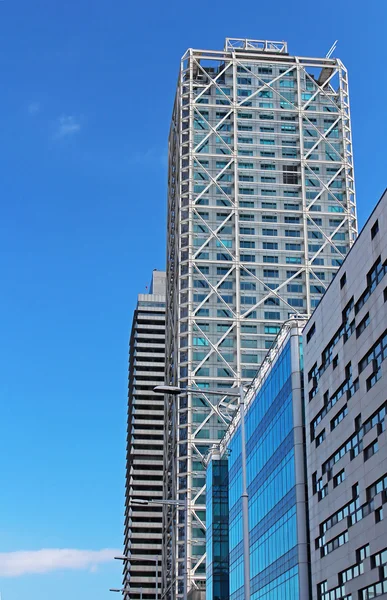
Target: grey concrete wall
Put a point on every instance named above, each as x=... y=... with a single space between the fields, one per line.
x=327 y=320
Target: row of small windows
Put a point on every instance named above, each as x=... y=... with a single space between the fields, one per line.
x=265 y=206
x=251 y=258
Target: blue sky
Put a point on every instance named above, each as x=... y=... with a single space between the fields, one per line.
x=86 y=98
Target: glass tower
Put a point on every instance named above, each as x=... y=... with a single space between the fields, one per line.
x=261 y=212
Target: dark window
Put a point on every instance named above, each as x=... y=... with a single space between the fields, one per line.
x=374 y=229
x=371 y=450
x=343 y=281
x=290 y=174
x=362 y=325
x=311 y=333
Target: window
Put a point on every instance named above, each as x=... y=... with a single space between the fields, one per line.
x=226 y=243
x=247 y=244
x=362 y=325
x=311 y=333
x=292 y=219
x=377 y=353
x=267 y=167
x=320 y=438
x=268 y=179
x=270 y=245
x=272 y=316
x=248 y=285
x=379 y=559
x=272 y=329
x=294 y=287
x=290 y=174
x=339 y=417
x=343 y=281
x=270 y=259
x=338 y=541
x=289 y=153
x=200 y=341
x=374 y=229
x=249 y=343
x=287 y=83
x=293 y=246
x=250 y=358
x=271 y=232
x=270 y=273
x=288 y=128
x=272 y=302
x=248 y=328
x=371 y=450
x=362 y=553
x=244 y=80
x=248 y=300
x=247 y=258
x=339 y=478
x=296 y=302
x=269 y=205
x=374 y=276
x=269 y=218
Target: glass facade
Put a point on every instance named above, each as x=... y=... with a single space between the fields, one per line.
x=275 y=467
x=217 y=571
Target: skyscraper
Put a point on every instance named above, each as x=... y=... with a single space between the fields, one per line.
x=145 y=433
x=261 y=212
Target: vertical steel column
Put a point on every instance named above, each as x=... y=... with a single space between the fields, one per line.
x=245 y=500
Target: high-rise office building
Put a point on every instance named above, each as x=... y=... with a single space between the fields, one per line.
x=276 y=485
x=145 y=434
x=261 y=212
x=345 y=350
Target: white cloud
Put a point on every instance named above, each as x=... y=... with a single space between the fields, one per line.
x=15 y=564
x=150 y=156
x=67 y=125
x=33 y=108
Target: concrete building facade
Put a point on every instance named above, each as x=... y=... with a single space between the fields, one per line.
x=261 y=213
x=345 y=349
x=145 y=439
